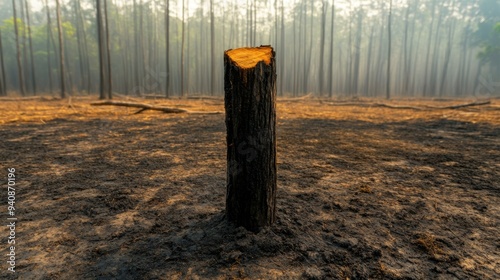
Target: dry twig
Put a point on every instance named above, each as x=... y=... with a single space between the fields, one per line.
x=143 y=107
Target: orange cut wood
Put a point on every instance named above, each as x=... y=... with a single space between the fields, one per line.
x=247 y=58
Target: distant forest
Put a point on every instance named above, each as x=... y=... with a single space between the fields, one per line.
x=379 y=48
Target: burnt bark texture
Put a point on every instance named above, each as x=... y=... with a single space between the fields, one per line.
x=250 y=104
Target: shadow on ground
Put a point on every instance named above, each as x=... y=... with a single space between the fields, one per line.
x=127 y=199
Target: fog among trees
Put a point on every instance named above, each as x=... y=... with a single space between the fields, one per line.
x=412 y=48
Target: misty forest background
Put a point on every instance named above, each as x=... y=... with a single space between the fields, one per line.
x=378 y=48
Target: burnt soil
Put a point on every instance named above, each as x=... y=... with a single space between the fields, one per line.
x=364 y=192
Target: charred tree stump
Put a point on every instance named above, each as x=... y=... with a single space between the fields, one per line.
x=250 y=104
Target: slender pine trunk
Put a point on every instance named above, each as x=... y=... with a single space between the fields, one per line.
x=24 y=48
x=28 y=25
x=18 y=52
x=61 y=50
x=102 y=94
x=357 y=56
x=212 y=48
x=447 y=58
x=108 y=52
x=330 y=66
x=368 y=62
x=167 y=46
x=182 y=47
x=49 y=36
x=389 y=33
x=322 y=49
x=428 y=53
x=3 y=85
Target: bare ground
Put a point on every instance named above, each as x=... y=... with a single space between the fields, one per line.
x=364 y=193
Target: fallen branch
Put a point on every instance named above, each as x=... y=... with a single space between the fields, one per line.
x=424 y=107
x=367 y=104
x=143 y=107
x=476 y=103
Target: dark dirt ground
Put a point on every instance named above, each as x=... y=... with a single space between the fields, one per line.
x=363 y=193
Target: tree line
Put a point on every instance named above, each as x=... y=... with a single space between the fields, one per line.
x=414 y=48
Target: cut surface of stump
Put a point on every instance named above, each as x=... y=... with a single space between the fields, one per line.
x=246 y=58
x=250 y=104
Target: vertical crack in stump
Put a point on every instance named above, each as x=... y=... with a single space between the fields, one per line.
x=250 y=103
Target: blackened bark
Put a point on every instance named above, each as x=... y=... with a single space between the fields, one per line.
x=250 y=96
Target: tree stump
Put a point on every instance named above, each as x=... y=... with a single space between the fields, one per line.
x=250 y=104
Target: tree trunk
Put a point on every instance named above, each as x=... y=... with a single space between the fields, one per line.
x=367 y=87
x=282 y=49
x=49 y=36
x=348 y=79
x=85 y=53
x=212 y=48
x=100 y=46
x=428 y=53
x=389 y=33
x=187 y=53
x=27 y=74
x=144 y=85
x=182 y=47
x=3 y=87
x=61 y=50
x=415 y=79
x=108 y=52
x=81 y=81
x=28 y=22
x=297 y=49
x=167 y=45
x=310 y=48
x=123 y=40
x=137 y=41
x=461 y=79
x=404 y=53
x=254 y=13
x=250 y=103
x=409 y=75
x=330 y=66
x=68 y=74
x=447 y=58
x=18 y=52
x=379 y=67
x=322 y=48
x=437 y=43
x=276 y=27
x=248 y=24
x=357 y=54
